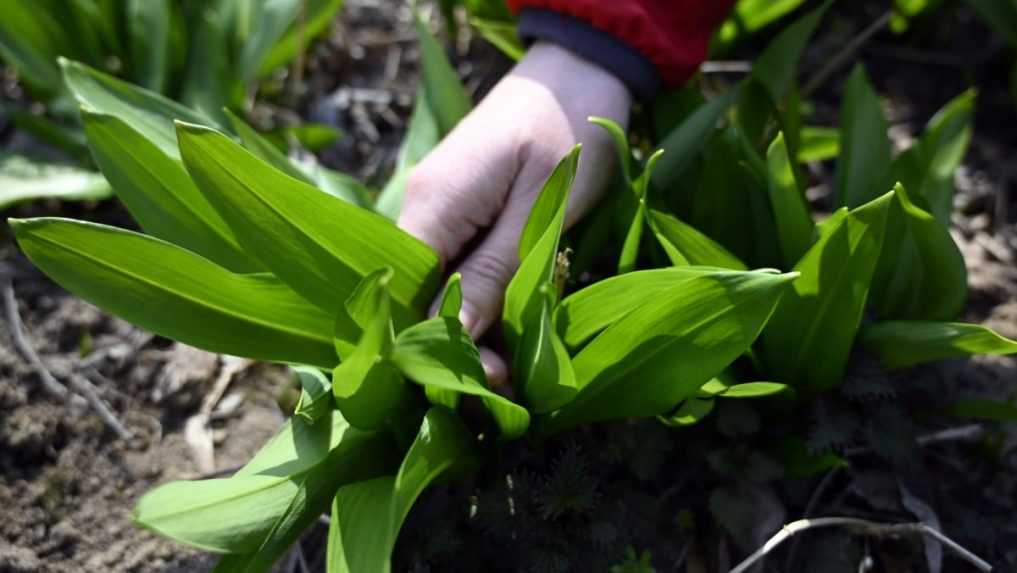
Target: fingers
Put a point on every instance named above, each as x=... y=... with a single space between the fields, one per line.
x=459 y=188
x=495 y=369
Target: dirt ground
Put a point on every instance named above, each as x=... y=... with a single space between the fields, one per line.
x=68 y=481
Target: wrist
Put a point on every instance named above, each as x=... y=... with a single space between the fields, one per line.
x=571 y=76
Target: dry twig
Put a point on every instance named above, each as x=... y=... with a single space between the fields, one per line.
x=859 y=527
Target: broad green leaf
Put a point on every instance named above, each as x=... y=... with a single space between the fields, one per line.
x=795 y=228
x=984 y=409
x=48 y=130
x=256 y=514
x=24 y=179
x=30 y=40
x=317 y=16
x=683 y=144
x=439 y=353
x=148 y=24
x=422 y=135
x=927 y=169
x=594 y=308
x=147 y=112
x=268 y=21
x=366 y=516
x=691 y=412
x=921 y=273
x=315 y=394
x=863 y=168
x=775 y=67
x=818 y=144
x=264 y=148
x=753 y=390
x=445 y=92
x=663 y=351
x=502 y=35
x=209 y=77
x=175 y=293
x=368 y=387
x=159 y=194
x=319 y=245
x=900 y=343
x=543 y=373
x=809 y=338
x=685 y=245
x=538 y=248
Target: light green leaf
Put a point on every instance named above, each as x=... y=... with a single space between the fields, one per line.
x=818 y=144
x=921 y=273
x=30 y=40
x=318 y=15
x=445 y=92
x=264 y=149
x=901 y=343
x=175 y=293
x=621 y=144
x=752 y=15
x=147 y=112
x=682 y=145
x=863 y=168
x=267 y=504
x=691 y=412
x=210 y=80
x=927 y=169
x=452 y=297
x=439 y=353
x=148 y=24
x=23 y=179
x=366 y=516
x=315 y=394
x=775 y=67
x=544 y=376
x=666 y=349
x=809 y=338
x=795 y=228
x=368 y=387
x=685 y=245
x=159 y=194
x=422 y=135
x=319 y=245
x=753 y=390
x=502 y=35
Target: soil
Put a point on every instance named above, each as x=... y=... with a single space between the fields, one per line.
x=598 y=497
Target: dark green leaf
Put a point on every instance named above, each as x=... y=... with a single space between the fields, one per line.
x=795 y=228
x=863 y=168
x=902 y=343
x=775 y=67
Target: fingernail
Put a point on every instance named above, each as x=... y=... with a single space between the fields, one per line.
x=467 y=319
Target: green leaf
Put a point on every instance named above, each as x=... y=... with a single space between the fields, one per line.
x=147 y=112
x=984 y=409
x=1000 y=15
x=685 y=245
x=175 y=293
x=452 y=297
x=30 y=40
x=445 y=92
x=315 y=394
x=750 y=16
x=264 y=148
x=24 y=179
x=266 y=24
x=664 y=350
x=368 y=387
x=148 y=24
x=544 y=376
x=422 y=135
x=366 y=516
x=921 y=273
x=753 y=390
x=819 y=144
x=318 y=15
x=809 y=338
x=159 y=194
x=209 y=77
x=267 y=504
x=927 y=169
x=319 y=245
x=683 y=144
x=691 y=412
x=634 y=236
x=439 y=353
x=795 y=228
x=863 y=168
x=594 y=308
x=502 y=35
x=538 y=248
x=775 y=67
x=621 y=144
x=901 y=343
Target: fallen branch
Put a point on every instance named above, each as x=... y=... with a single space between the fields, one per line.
x=80 y=384
x=862 y=527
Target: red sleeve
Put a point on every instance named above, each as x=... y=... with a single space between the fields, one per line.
x=672 y=34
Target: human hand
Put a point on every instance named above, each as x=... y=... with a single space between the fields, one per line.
x=487 y=173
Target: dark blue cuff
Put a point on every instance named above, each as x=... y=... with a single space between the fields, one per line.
x=593 y=44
